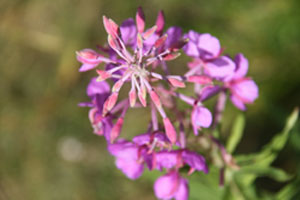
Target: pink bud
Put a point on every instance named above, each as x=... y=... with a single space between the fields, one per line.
x=199 y=79
x=178 y=45
x=160 y=22
x=117 y=85
x=132 y=97
x=114 y=28
x=113 y=43
x=140 y=20
x=142 y=98
x=116 y=130
x=155 y=99
x=110 y=102
x=170 y=130
x=106 y=24
x=139 y=41
x=111 y=27
x=160 y=41
x=171 y=56
x=103 y=75
x=149 y=32
x=176 y=83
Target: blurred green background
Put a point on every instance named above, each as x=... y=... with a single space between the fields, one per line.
x=47 y=149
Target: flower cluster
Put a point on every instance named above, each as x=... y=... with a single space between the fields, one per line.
x=138 y=56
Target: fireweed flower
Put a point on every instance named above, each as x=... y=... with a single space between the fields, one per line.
x=171 y=185
x=138 y=56
x=98 y=93
x=243 y=90
x=206 y=51
x=130 y=158
x=134 y=53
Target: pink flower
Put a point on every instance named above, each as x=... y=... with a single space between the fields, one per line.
x=171 y=185
x=201 y=117
x=128 y=158
x=243 y=90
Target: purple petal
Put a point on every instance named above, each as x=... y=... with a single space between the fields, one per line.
x=174 y=35
x=126 y=154
x=96 y=87
x=166 y=159
x=241 y=66
x=165 y=186
x=87 y=67
x=220 y=68
x=131 y=168
x=237 y=102
x=209 y=46
x=191 y=48
x=128 y=31
x=201 y=117
x=183 y=190
x=142 y=139
x=208 y=92
x=194 y=160
x=246 y=90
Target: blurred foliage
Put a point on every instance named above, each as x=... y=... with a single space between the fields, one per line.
x=47 y=149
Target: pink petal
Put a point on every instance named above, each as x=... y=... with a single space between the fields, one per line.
x=160 y=22
x=166 y=186
x=241 y=66
x=140 y=20
x=170 y=130
x=201 y=117
x=183 y=190
x=209 y=46
x=221 y=67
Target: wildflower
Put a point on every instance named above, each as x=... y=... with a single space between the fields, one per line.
x=129 y=158
x=200 y=117
x=98 y=93
x=171 y=185
x=243 y=90
x=206 y=51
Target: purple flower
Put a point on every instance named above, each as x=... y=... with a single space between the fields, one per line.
x=167 y=159
x=101 y=125
x=157 y=138
x=201 y=117
x=128 y=32
x=202 y=46
x=219 y=68
x=128 y=158
x=194 y=160
x=243 y=90
x=171 y=185
x=206 y=50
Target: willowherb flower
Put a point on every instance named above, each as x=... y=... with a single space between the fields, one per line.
x=138 y=56
x=170 y=186
x=243 y=90
x=133 y=55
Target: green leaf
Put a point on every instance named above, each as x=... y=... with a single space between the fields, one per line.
x=289 y=191
x=271 y=150
x=236 y=133
x=271 y=172
x=269 y=153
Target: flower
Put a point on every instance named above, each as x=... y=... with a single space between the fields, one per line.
x=243 y=90
x=206 y=51
x=98 y=93
x=200 y=117
x=171 y=185
x=129 y=158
